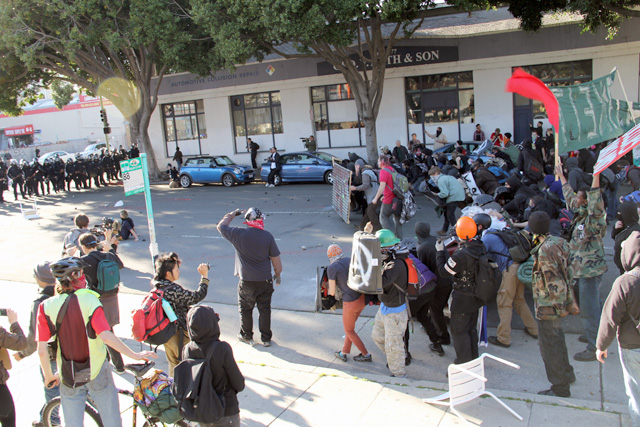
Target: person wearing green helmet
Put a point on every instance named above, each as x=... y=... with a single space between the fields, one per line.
x=391 y=319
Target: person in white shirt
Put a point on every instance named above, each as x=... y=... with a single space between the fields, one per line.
x=439 y=139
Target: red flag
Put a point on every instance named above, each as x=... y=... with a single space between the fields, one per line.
x=532 y=87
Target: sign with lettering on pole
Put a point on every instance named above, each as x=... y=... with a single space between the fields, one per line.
x=617 y=149
x=132 y=176
x=135 y=177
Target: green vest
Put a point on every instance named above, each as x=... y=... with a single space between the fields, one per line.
x=89 y=302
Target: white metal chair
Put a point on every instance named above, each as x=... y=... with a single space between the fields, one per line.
x=466 y=382
x=30 y=211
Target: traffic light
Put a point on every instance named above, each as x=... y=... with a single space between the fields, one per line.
x=103 y=116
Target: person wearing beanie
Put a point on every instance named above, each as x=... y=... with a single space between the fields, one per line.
x=553 y=299
x=521 y=194
x=352 y=303
x=46 y=283
x=589 y=226
x=626 y=223
x=256 y=252
x=435 y=324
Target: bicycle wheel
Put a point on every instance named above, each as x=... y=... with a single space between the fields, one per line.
x=91 y=417
x=181 y=423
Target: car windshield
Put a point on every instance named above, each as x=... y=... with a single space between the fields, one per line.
x=224 y=161
x=326 y=157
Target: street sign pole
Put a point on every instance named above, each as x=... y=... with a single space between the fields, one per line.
x=153 y=244
x=135 y=179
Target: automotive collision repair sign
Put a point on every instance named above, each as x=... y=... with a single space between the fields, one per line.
x=132 y=177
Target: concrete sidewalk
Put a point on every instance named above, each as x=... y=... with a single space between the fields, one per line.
x=299 y=382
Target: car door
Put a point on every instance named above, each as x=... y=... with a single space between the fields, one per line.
x=197 y=168
x=289 y=167
x=309 y=168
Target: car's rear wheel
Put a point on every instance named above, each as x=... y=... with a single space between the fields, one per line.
x=277 y=179
x=185 y=181
x=228 y=180
x=328 y=177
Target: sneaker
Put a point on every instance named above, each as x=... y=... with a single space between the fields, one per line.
x=266 y=185
x=362 y=358
x=119 y=371
x=553 y=393
x=442 y=232
x=249 y=341
x=583 y=338
x=341 y=356
x=585 y=356
x=495 y=341
x=266 y=343
x=37 y=424
x=399 y=376
x=526 y=331
x=437 y=349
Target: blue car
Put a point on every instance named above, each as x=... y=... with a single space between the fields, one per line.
x=302 y=166
x=214 y=170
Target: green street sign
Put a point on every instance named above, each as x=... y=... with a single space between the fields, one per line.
x=132 y=176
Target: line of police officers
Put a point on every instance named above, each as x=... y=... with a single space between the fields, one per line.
x=31 y=179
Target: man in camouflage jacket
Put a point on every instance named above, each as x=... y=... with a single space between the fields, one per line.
x=553 y=299
x=587 y=255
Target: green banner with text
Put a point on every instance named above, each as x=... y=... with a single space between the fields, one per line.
x=588 y=114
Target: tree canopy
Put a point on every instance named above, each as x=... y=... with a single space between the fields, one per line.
x=85 y=42
x=354 y=36
x=596 y=13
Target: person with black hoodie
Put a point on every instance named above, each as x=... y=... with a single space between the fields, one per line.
x=619 y=318
x=204 y=333
x=521 y=194
x=436 y=327
x=461 y=267
x=626 y=223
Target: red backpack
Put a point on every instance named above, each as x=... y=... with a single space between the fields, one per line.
x=150 y=322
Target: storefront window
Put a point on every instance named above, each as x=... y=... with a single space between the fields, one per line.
x=259 y=115
x=184 y=126
x=445 y=100
x=336 y=117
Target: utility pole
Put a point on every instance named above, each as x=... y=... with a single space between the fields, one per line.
x=105 y=122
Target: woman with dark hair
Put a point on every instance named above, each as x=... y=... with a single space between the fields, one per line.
x=180 y=299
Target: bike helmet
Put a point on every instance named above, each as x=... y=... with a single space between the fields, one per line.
x=64 y=267
x=387 y=238
x=483 y=199
x=466 y=228
x=482 y=219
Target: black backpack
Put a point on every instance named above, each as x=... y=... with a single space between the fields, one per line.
x=488 y=279
x=193 y=390
x=533 y=168
x=519 y=243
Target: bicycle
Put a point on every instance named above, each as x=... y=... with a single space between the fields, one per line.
x=92 y=418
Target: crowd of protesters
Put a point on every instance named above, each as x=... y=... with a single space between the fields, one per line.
x=564 y=207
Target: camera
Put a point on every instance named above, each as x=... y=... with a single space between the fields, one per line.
x=108 y=223
x=3 y=311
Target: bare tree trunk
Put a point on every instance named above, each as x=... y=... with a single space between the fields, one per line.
x=140 y=135
x=371 y=139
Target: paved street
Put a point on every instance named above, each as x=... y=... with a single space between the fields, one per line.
x=298 y=381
